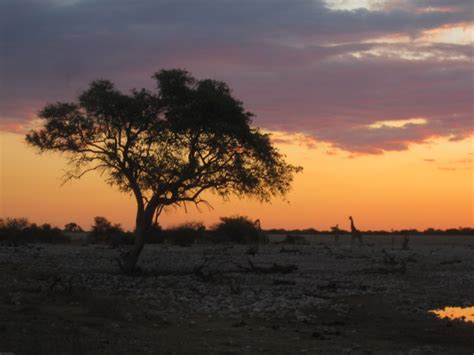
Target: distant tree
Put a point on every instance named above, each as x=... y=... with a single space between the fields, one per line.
x=73 y=227
x=166 y=148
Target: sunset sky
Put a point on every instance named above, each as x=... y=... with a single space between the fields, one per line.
x=375 y=99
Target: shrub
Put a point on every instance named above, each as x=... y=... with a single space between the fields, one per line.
x=44 y=234
x=104 y=231
x=19 y=230
x=12 y=228
x=155 y=235
x=73 y=227
x=14 y=224
x=184 y=234
x=239 y=229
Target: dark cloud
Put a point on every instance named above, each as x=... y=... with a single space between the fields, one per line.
x=299 y=65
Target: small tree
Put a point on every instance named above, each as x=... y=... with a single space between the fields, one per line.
x=167 y=147
x=73 y=227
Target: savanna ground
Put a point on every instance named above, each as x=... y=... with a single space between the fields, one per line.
x=318 y=298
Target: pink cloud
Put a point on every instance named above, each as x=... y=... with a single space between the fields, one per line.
x=301 y=67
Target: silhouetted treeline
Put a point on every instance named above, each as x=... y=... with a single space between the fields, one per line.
x=236 y=229
x=229 y=230
x=429 y=231
x=19 y=231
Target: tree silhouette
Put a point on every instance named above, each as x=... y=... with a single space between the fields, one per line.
x=165 y=147
x=103 y=226
x=73 y=227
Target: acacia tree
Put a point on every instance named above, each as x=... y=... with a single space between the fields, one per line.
x=165 y=147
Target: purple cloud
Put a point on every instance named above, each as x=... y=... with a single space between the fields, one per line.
x=300 y=66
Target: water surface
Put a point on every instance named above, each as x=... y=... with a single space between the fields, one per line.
x=465 y=314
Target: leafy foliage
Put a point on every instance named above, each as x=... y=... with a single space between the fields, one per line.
x=166 y=147
x=239 y=229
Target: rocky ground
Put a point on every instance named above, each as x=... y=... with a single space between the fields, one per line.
x=317 y=298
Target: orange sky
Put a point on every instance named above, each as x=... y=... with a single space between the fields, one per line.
x=429 y=185
x=366 y=76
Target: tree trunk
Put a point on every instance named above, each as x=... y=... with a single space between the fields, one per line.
x=129 y=261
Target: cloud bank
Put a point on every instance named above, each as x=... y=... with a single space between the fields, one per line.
x=303 y=67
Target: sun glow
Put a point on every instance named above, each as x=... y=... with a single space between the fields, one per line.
x=429 y=185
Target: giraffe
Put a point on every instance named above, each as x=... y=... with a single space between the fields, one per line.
x=355 y=233
x=253 y=250
x=405 y=241
x=336 y=232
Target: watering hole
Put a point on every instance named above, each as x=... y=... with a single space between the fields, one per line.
x=465 y=314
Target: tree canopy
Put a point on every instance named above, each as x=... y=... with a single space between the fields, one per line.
x=168 y=146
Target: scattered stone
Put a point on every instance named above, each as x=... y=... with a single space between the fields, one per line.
x=239 y=324
x=450 y=262
x=283 y=282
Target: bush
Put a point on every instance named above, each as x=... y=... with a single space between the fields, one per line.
x=184 y=234
x=44 y=234
x=155 y=235
x=239 y=229
x=14 y=224
x=19 y=230
x=73 y=228
x=12 y=228
x=105 y=232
